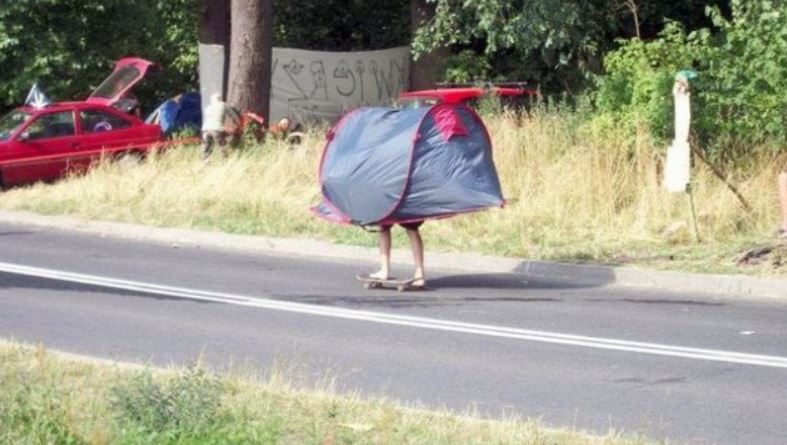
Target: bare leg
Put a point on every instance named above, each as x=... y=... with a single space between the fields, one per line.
x=417 y=245
x=783 y=198
x=385 y=256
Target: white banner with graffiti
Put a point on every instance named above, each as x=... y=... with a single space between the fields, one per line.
x=320 y=85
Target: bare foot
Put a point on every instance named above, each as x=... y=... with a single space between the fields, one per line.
x=418 y=282
x=380 y=275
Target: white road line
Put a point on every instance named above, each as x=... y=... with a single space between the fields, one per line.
x=404 y=320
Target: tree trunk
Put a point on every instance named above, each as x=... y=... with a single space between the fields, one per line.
x=428 y=69
x=251 y=51
x=214 y=29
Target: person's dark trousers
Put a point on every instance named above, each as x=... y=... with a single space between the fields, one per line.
x=208 y=139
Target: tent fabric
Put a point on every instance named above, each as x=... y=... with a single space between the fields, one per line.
x=389 y=165
x=189 y=111
x=168 y=111
x=177 y=114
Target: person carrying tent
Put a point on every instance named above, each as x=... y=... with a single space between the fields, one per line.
x=385 y=166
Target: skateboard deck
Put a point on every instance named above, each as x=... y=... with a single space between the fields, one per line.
x=376 y=283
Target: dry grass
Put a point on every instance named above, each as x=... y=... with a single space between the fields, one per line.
x=46 y=398
x=578 y=191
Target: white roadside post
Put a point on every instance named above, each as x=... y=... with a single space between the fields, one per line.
x=677 y=171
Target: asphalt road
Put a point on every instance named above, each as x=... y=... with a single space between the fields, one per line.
x=686 y=368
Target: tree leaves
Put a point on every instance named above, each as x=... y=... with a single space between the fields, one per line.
x=68 y=46
x=742 y=65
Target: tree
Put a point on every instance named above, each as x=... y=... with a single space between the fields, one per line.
x=426 y=68
x=251 y=48
x=557 y=42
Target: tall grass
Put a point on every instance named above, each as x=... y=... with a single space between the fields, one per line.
x=46 y=399
x=578 y=190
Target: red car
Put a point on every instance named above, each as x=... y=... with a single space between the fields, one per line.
x=466 y=95
x=43 y=143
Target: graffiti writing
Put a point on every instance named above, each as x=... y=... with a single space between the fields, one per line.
x=324 y=85
x=342 y=72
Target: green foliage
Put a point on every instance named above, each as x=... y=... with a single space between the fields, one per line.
x=747 y=88
x=740 y=92
x=188 y=404
x=253 y=413
x=341 y=26
x=69 y=46
x=32 y=412
x=523 y=39
x=467 y=66
x=638 y=83
x=558 y=43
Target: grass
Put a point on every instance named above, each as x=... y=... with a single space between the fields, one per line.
x=48 y=399
x=578 y=190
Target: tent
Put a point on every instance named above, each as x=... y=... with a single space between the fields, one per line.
x=179 y=113
x=388 y=165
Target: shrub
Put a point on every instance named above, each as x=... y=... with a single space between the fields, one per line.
x=467 y=66
x=34 y=411
x=186 y=405
x=740 y=93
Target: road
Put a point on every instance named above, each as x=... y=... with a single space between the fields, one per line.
x=686 y=368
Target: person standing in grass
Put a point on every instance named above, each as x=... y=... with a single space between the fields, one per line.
x=213 y=125
x=417 y=246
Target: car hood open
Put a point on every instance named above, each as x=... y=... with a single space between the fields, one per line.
x=128 y=72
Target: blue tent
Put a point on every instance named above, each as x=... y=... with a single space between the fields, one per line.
x=388 y=165
x=178 y=114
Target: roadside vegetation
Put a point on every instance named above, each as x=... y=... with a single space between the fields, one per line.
x=579 y=189
x=581 y=171
x=47 y=399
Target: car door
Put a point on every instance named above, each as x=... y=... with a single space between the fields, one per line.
x=40 y=150
x=103 y=133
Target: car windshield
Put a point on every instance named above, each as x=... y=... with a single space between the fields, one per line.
x=10 y=122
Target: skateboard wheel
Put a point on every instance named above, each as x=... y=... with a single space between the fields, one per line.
x=367 y=285
x=400 y=288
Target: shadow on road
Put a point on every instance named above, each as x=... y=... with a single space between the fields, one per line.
x=12 y=282
x=500 y=281
x=657 y=301
x=18 y=232
x=446 y=290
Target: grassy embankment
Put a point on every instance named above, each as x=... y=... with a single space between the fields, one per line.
x=48 y=399
x=577 y=192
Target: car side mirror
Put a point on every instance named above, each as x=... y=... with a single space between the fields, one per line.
x=24 y=136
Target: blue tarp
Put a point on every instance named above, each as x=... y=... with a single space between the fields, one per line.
x=177 y=115
x=387 y=165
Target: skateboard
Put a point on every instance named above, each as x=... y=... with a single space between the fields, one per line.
x=376 y=283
